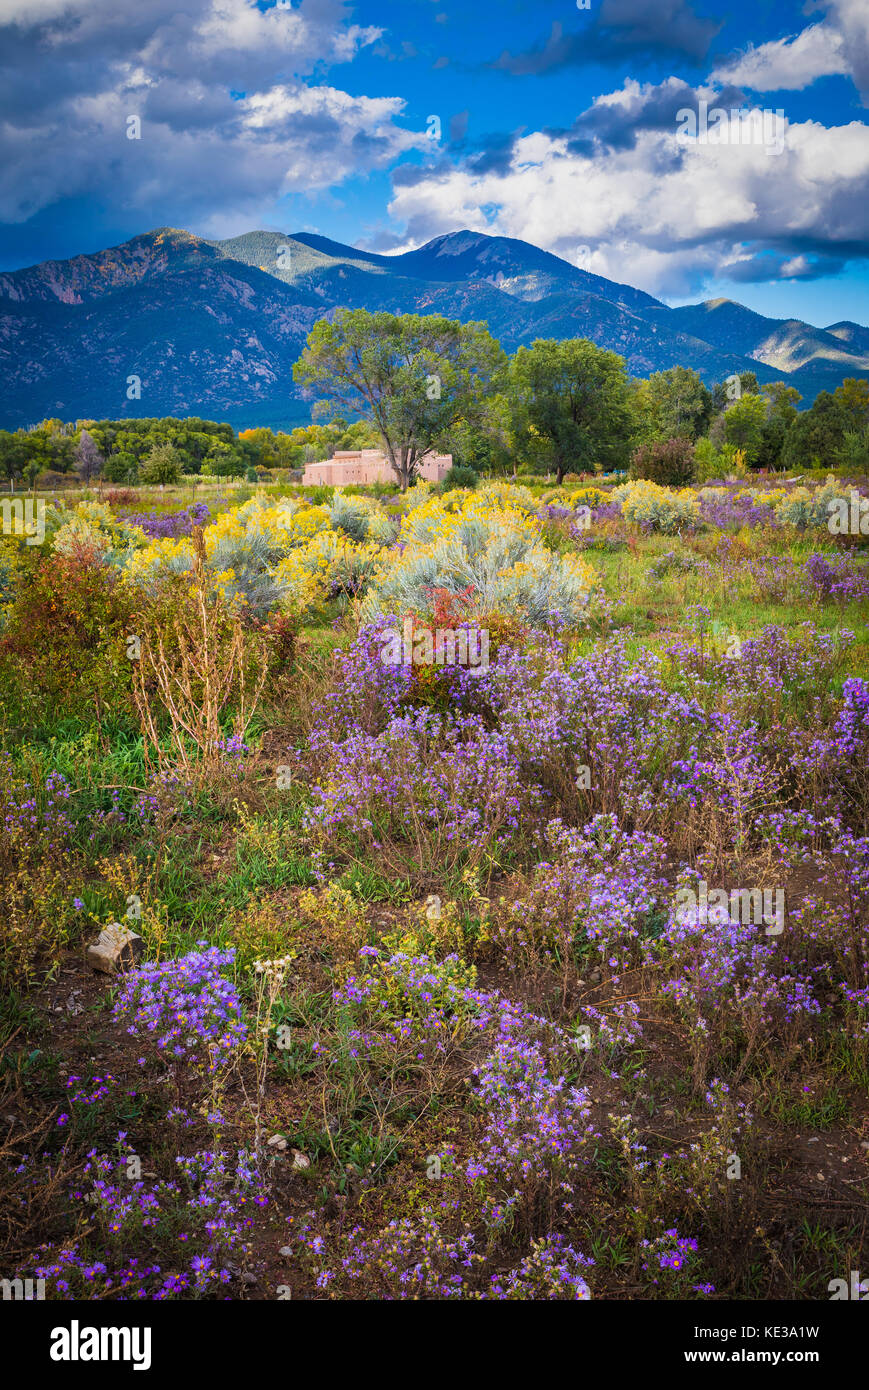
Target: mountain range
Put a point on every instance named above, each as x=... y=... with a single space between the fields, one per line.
x=212 y=328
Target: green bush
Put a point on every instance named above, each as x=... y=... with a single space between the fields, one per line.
x=163 y=465
x=63 y=652
x=457 y=476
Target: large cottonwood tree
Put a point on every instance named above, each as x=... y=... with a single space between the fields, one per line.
x=414 y=377
x=573 y=406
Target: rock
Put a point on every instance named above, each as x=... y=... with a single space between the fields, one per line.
x=277 y=1141
x=300 y=1160
x=115 y=948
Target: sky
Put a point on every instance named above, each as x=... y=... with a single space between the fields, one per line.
x=577 y=125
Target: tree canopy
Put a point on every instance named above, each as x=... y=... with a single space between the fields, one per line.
x=413 y=377
x=573 y=405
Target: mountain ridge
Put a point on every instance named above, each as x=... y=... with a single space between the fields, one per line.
x=213 y=327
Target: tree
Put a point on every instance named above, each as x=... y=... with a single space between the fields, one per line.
x=783 y=400
x=853 y=453
x=13 y=453
x=725 y=392
x=748 y=384
x=573 y=405
x=815 y=437
x=679 y=403
x=121 y=468
x=162 y=465
x=852 y=404
x=88 y=459
x=485 y=444
x=743 y=425
x=223 y=461
x=411 y=376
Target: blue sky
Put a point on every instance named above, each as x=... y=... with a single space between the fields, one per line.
x=560 y=125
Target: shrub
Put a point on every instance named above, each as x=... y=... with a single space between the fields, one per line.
x=88 y=532
x=163 y=465
x=49 y=481
x=64 y=651
x=669 y=462
x=804 y=509
x=110 y=1251
x=198 y=670
x=658 y=508
x=457 y=476
x=121 y=468
x=436 y=789
x=708 y=462
x=487 y=549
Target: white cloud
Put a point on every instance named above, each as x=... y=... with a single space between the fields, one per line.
x=661 y=214
x=221 y=87
x=288 y=139
x=839 y=44
x=852 y=19
x=788 y=64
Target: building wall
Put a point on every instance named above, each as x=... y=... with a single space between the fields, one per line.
x=369 y=466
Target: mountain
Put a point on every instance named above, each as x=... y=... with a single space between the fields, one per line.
x=785 y=344
x=212 y=328
x=854 y=334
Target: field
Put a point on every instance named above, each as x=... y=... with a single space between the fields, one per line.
x=534 y=972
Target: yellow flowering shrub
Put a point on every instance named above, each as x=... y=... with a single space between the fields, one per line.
x=660 y=508
x=586 y=497
x=93 y=525
x=487 y=548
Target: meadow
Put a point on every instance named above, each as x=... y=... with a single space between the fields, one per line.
x=540 y=978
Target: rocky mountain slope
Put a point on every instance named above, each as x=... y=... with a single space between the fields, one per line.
x=212 y=328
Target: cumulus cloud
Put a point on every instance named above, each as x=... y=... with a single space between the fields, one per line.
x=836 y=45
x=661 y=212
x=851 y=18
x=788 y=64
x=224 y=94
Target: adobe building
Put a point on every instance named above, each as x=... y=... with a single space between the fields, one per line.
x=370 y=466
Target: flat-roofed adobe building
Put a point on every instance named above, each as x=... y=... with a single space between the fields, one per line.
x=370 y=466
